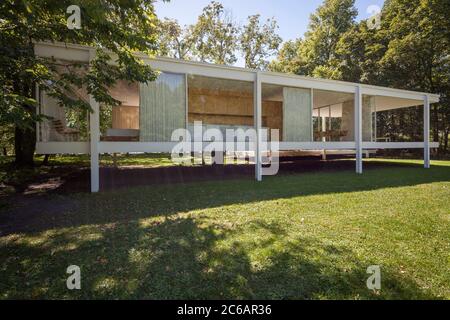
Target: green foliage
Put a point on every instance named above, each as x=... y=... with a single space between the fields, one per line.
x=174 y=41
x=315 y=55
x=259 y=42
x=410 y=50
x=110 y=27
x=6 y=139
x=214 y=35
x=217 y=38
x=289 y=58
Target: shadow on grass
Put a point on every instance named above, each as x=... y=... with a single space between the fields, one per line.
x=181 y=259
x=43 y=212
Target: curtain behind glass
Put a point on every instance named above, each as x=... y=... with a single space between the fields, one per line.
x=368 y=110
x=162 y=107
x=297 y=115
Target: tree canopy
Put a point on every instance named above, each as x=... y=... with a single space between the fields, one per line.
x=214 y=35
x=217 y=38
x=259 y=42
x=120 y=27
x=409 y=50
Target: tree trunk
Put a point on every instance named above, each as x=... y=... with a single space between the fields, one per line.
x=45 y=161
x=25 y=135
x=24 y=146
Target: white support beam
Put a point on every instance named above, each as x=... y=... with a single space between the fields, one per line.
x=94 y=133
x=358 y=129
x=37 y=96
x=426 y=132
x=94 y=127
x=257 y=97
x=293 y=146
x=63 y=147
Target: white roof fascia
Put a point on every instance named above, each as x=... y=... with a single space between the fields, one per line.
x=81 y=53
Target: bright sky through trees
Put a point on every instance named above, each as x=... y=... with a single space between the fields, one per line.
x=292 y=15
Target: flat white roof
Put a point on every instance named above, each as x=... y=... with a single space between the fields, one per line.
x=74 y=52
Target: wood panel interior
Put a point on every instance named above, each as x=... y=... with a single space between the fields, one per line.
x=224 y=107
x=125 y=117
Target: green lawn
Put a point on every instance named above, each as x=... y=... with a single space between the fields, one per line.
x=14 y=179
x=303 y=236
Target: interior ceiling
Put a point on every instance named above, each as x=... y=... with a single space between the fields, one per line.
x=388 y=103
x=324 y=98
x=128 y=94
x=200 y=82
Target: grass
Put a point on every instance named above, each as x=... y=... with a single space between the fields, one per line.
x=302 y=236
x=14 y=179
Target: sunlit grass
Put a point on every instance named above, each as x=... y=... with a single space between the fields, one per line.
x=306 y=236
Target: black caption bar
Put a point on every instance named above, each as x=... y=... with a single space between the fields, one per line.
x=240 y=309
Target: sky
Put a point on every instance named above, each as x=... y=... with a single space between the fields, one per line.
x=292 y=15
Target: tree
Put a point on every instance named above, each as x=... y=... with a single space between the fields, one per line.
x=115 y=26
x=409 y=50
x=289 y=59
x=316 y=53
x=215 y=35
x=174 y=41
x=417 y=56
x=258 y=43
x=358 y=53
x=330 y=21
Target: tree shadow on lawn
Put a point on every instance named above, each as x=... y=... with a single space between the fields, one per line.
x=182 y=259
x=44 y=212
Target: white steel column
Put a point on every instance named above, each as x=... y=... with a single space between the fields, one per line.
x=94 y=129
x=312 y=114
x=358 y=129
x=258 y=122
x=37 y=96
x=426 y=132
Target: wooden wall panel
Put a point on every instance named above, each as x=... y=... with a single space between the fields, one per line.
x=272 y=116
x=231 y=108
x=125 y=117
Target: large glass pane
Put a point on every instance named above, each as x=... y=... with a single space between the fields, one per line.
x=389 y=119
x=333 y=116
x=63 y=124
x=162 y=107
x=121 y=123
x=220 y=103
x=272 y=109
x=288 y=110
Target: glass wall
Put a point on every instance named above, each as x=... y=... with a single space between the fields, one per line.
x=333 y=116
x=162 y=107
x=287 y=109
x=148 y=112
x=63 y=124
x=121 y=123
x=220 y=103
x=388 y=119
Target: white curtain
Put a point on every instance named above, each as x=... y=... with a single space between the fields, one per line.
x=297 y=115
x=368 y=108
x=162 y=107
x=348 y=120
